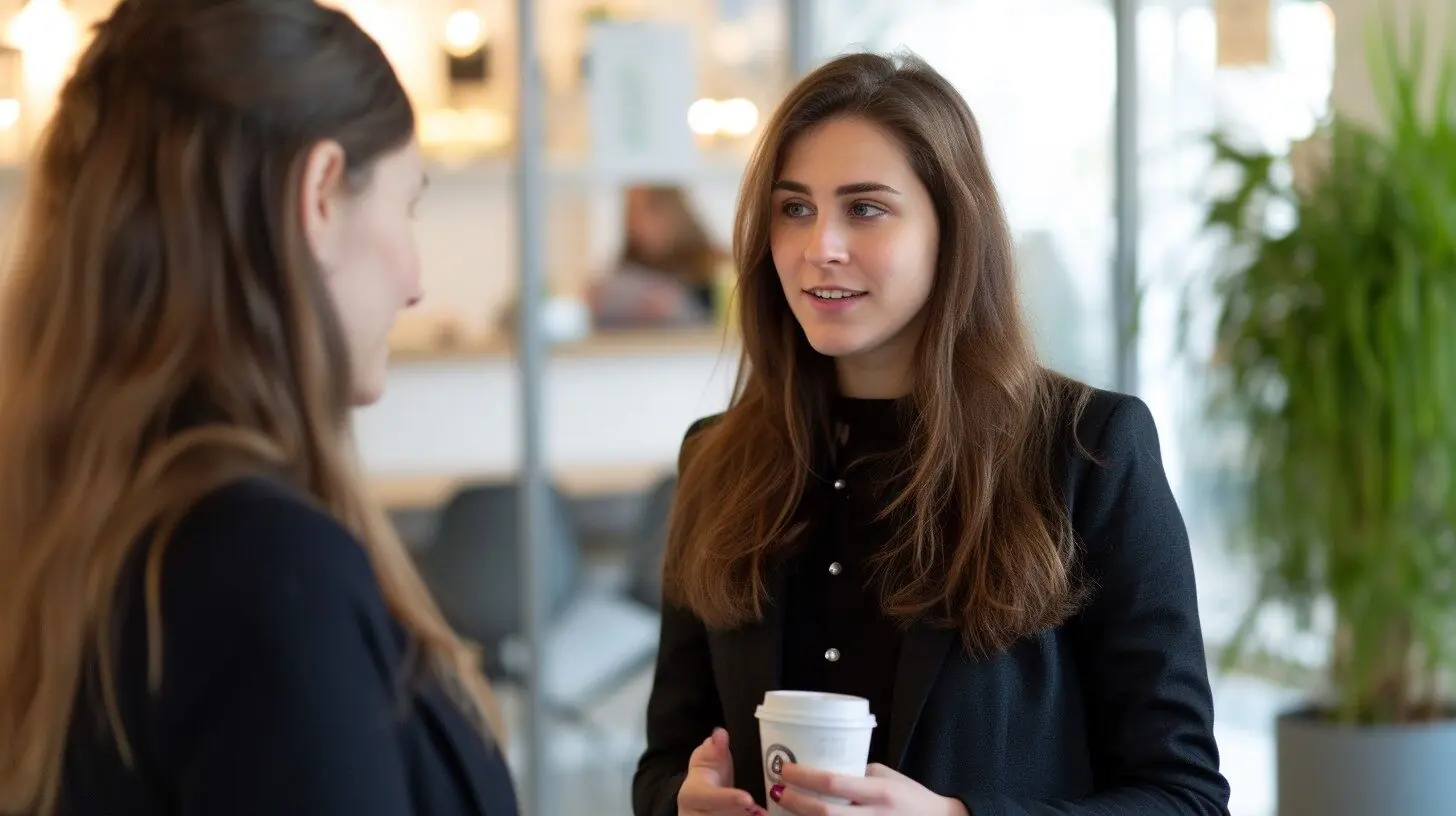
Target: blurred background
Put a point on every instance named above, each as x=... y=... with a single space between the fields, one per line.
x=650 y=108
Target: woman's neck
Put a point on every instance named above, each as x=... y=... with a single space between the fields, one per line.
x=870 y=379
x=882 y=372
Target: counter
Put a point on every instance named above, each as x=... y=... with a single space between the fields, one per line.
x=616 y=408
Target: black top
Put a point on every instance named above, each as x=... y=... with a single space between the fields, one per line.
x=1109 y=714
x=836 y=639
x=287 y=686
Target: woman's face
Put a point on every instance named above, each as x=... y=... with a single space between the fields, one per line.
x=855 y=240
x=650 y=225
x=366 y=244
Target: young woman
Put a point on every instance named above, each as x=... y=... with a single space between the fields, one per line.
x=668 y=269
x=902 y=505
x=665 y=234
x=201 y=611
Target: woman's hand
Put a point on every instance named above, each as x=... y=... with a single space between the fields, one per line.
x=882 y=792
x=708 y=790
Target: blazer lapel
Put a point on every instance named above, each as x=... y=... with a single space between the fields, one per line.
x=922 y=653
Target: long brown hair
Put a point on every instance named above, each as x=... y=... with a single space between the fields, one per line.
x=986 y=546
x=166 y=330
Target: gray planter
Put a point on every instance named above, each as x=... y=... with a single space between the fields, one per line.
x=1334 y=770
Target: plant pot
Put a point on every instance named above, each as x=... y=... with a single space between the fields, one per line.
x=1328 y=769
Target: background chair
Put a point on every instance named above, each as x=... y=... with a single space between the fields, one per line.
x=649 y=543
x=594 y=639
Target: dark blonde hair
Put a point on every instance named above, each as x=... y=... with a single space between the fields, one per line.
x=166 y=330
x=986 y=545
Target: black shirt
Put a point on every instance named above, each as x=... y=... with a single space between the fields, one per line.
x=836 y=638
x=286 y=684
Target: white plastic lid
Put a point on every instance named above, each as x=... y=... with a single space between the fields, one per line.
x=816 y=708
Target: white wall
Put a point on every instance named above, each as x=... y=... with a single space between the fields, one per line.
x=462 y=415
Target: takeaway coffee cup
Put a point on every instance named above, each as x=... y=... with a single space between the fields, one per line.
x=828 y=732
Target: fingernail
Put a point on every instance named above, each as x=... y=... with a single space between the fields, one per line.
x=776 y=793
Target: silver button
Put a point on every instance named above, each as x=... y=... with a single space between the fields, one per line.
x=832 y=655
x=839 y=484
x=835 y=568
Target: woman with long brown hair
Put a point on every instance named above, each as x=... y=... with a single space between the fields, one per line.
x=668 y=270
x=900 y=504
x=201 y=609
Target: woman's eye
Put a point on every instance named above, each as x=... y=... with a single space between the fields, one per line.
x=795 y=209
x=863 y=209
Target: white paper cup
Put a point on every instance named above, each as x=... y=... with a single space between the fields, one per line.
x=827 y=732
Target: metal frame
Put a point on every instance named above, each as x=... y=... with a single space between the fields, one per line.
x=531 y=358
x=1125 y=281
x=802 y=31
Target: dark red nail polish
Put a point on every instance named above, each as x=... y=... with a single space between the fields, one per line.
x=776 y=793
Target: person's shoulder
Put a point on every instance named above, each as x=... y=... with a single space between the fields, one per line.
x=701 y=425
x=1088 y=418
x=693 y=436
x=258 y=543
x=1111 y=423
x=1098 y=430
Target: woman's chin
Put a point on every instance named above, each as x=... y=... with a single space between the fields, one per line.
x=369 y=386
x=835 y=343
x=367 y=394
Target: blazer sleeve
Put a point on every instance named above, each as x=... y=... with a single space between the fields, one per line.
x=682 y=711
x=277 y=697
x=1140 y=644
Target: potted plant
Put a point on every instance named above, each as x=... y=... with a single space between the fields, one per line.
x=1336 y=355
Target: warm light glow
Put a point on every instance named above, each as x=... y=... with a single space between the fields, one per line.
x=48 y=38
x=379 y=20
x=43 y=25
x=9 y=113
x=402 y=35
x=728 y=117
x=472 y=129
x=737 y=117
x=703 y=117
x=464 y=33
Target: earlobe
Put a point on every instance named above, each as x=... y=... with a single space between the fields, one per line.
x=320 y=199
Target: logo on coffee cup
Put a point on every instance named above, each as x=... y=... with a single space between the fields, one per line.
x=774 y=759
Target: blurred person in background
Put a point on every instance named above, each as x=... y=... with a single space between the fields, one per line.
x=668 y=272
x=902 y=504
x=202 y=611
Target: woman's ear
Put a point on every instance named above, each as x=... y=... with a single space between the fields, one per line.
x=322 y=198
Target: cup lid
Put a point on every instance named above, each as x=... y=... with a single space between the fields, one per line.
x=816 y=708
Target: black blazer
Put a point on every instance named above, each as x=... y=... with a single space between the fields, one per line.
x=1109 y=714
x=285 y=686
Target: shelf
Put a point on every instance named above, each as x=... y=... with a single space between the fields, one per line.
x=638 y=343
x=571 y=171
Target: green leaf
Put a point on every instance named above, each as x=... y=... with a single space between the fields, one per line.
x=1336 y=353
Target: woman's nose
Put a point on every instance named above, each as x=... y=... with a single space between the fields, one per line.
x=826 y=245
